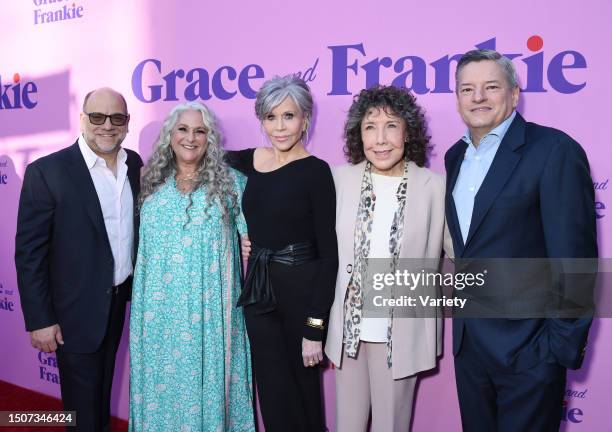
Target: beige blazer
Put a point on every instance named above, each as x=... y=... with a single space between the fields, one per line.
x=416 y=341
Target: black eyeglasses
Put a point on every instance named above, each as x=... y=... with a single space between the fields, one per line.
x=116 y=119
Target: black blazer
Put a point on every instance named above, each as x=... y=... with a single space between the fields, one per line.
x=536 y=201
x=64 y=262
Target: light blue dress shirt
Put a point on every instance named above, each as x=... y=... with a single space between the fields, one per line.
x=474 y=168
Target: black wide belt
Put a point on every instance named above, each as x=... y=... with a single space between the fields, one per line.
x=258 y=287
x=114 y=290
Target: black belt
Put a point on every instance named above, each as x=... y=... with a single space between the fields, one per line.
x=114 y=290
x=258 y=287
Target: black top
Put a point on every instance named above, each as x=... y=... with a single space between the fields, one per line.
x=293 y=204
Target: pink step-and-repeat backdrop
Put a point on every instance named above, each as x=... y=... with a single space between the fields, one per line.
x=157 y=53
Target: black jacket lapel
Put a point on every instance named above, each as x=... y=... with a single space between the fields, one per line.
x=134 y=164
x=89 y=197
x=453 y=164
x=501 y=169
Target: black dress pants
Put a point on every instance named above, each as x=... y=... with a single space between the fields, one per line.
x=491 y=400
x=86 y=379
x=289 y=393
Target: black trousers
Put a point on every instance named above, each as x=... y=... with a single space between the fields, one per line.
x=491 y=400
x=86 y=379
x=289 y=393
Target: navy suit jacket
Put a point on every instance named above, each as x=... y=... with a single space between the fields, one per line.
x=536 y=201
x=65 y=265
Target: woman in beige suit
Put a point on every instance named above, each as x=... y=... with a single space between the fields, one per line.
x=389 y=207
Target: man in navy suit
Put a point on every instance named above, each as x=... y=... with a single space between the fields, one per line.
x=74 y=251
x=520 y=191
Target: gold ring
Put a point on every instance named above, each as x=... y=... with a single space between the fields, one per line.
x=311 y=363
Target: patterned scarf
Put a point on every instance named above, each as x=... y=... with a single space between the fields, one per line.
x=353 y=303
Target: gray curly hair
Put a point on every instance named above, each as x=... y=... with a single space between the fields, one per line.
x=213 y=172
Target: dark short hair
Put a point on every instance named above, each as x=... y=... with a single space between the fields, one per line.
x=483 y=55
x=393 y=100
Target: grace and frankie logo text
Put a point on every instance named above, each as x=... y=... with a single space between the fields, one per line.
x=6 y=301
x=353 y=68
x=601 y=187
x=50 y=11
x=3 y=181
x=571 y=413
x=17 y=95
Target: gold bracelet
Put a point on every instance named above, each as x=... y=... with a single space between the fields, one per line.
x=315 y=323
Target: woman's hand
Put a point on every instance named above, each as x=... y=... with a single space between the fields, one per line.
x=312 y=352
x=245 y=247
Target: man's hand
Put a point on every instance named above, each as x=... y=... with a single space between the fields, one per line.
x=245 y=247
x=46 y=339
x=312 y=352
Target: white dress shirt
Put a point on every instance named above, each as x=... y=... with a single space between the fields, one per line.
x=385 y=188
x=474 y=168
x=116 y=201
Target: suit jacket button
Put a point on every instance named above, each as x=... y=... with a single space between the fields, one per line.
x=349 y=268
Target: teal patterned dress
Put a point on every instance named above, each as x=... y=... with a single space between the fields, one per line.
x=189 y=353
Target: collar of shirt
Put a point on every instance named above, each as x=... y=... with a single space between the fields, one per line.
x=91 y=159
x=490 y=141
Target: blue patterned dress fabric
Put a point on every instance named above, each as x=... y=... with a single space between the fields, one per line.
x=189 y=352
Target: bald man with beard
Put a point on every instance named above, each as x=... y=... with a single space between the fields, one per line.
x=75 y=246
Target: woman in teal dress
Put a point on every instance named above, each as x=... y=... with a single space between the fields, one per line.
x=189 y=353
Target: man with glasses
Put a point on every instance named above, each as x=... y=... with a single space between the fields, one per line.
x=75 y=246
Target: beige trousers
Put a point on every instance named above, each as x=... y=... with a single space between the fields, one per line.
x=366 y=382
